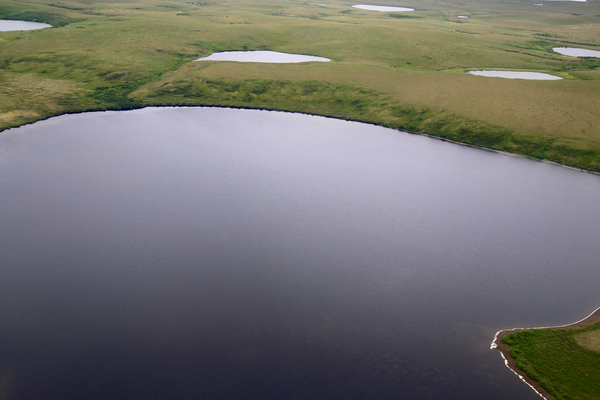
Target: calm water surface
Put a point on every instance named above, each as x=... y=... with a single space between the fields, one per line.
x=186 y=253
x=262 y=56
x=14 y=25
x=382 y=8
x=576 y=52
x=536 y=76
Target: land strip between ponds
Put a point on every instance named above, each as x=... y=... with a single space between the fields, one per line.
x=510 y=362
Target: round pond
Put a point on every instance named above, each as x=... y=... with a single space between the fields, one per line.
x=224 y=254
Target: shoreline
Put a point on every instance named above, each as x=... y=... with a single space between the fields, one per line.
x=312 y=114
x=510 y=362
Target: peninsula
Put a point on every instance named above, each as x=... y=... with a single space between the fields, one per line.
x=557 y=362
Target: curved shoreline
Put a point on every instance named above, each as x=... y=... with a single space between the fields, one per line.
x=594 y=316
x=510 y=362
x=443 y=139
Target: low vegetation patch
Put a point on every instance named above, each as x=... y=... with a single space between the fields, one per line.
x=556 y=359
x=56 y=20
x=25 y=98
x=589 y=340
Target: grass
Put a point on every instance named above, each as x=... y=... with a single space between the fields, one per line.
x=127 y=54
x=555 y=359
x=589 y=340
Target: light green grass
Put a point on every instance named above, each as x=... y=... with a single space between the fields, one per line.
x=114 y=55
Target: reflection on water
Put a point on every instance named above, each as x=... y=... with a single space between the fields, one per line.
x=217 y=253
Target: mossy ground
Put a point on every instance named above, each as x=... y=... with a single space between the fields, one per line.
x=555 y=359
x=589 y=340
x=127 y=54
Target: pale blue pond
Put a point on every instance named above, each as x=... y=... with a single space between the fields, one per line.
x=576 y=52
x=537 y=76
x=14 y=25
x=382 y=8
x=261 y=56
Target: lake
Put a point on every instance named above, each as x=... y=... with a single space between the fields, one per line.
x=576 y=52
x=225 y=254
x=537 y=76
x=262 y=56
x=14 y=25
x=382 y=8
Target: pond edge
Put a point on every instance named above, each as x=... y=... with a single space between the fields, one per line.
x=510 y=362
x=91 y=110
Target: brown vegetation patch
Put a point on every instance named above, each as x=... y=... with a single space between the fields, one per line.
x=588 y=340
x=12 y=117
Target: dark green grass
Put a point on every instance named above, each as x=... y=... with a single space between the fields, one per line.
x=56 y=20
x=553 y=359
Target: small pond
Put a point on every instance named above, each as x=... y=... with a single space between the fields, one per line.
x=382 y=8
x=14 y=25
x=262 y=56
x=538 y=76
x=576 y=52
x=212 y=253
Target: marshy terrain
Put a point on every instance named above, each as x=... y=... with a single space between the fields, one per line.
x=562 y=362
x=404 y=70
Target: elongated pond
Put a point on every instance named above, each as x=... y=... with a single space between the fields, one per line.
x=576 y=52
x=225 y=254
x=262 y=56
x=535 y=76
x=15 y=25
x=382 y=8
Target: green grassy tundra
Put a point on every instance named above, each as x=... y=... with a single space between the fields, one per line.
x=563 y=361
x=402 y=70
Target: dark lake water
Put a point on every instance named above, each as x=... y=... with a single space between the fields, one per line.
x=187 y=253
